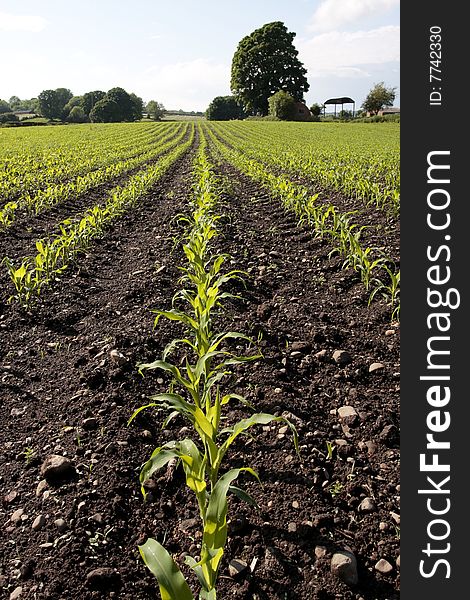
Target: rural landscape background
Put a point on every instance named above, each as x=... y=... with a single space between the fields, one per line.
x=200 y=300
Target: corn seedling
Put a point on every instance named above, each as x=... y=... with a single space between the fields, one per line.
x=389 y=290
x=200 y=401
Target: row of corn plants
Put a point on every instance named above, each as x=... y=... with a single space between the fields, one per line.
x=32 y=158
x=37 y=202
x=54 y=254
x=377 y=272
x=195 y=393
x=361 y=162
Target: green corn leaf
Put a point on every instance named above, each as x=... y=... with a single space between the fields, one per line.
x=21 y=272
x=170 y=418
x=196 y=567
x=140 y=409
x=165 y=366
x=169 y=348
x=159 y=458
x=244 y=424
x=218 y=339
x=245 y=496
x=171 y=581
x=215 y=526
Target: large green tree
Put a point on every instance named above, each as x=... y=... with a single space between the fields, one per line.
x=155 y=110
x=137 y=107
x=105 y=111
x=52 y=102
x=265 y=62
x=49 y=105
x=90 y=99
x=124 y=101
x=5 y=106
x=378 y=97
x=224 y=108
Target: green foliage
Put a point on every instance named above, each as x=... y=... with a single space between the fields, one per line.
x=265 y=62
x=373 y=177
x=137 y=107
x=55 y=253
x=49 y=105
x=52 y=102
x=64 y=96
x=15 y=103
x=155 y=110
x=126 y=106
x=378 y=97
x=105 y=111
x=316 y=109
x=77 y=115
x=224 y=108
x=74 y=101
x=282 y=106
x=5 y=107
x=8 y=117
x=89 y=100
x=171 y=581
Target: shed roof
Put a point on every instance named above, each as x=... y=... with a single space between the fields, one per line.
x=344 y=100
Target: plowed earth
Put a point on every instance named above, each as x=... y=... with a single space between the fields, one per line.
x=64 y=391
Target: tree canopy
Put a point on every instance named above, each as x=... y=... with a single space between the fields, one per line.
x=105 y=111
x=155 y=110
x=281 y=105
x=5 y=106
x=224 y=108
x=52 y=102
x=378 y=97
x=89 y=99
x=265 y=62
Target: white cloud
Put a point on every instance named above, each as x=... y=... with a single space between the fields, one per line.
x=332 y=14
x=9 y=22
x=341 y=53
x=188 y=85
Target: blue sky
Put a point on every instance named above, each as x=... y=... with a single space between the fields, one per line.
x=180 y=53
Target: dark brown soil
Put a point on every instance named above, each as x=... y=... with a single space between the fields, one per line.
x=57 y=373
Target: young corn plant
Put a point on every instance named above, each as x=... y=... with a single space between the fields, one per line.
x=389 y=290
x=26 y=281
x=195 y=393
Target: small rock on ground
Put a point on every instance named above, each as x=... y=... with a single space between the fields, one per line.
x=347 y=414
x=56 y=467
x=237 y=567
x=103 y=578
x=383 y=566
x=341 y=357
x=16 y=593
x=344 y=566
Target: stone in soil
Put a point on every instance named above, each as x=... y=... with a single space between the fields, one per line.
x=56 y=468
x=341 y=357
x=237 y=567
x=383 y=566
x=348 y=414
x=367 y=505
x=103 y=578
x=344 y=566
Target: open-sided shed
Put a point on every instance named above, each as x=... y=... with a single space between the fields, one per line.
x=342 y=101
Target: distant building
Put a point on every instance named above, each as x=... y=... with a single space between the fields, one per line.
x=302 y=112
x=339 y=102
x=389 y=110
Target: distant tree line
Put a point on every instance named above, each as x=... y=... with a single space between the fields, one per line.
x=113 y=106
